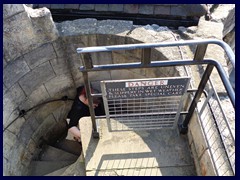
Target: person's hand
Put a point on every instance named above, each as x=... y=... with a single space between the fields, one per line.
x=76 y=133
x=77 y=138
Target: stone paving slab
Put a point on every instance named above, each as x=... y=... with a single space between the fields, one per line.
x=160 y=150
x=163 y=171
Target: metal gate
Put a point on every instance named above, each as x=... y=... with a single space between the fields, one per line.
x=218 y=134
x=142 y=104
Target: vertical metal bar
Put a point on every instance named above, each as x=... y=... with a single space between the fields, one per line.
x=146 y=56
x=181 y=103
x=183 y=128
x=106 y=106
x=209 y=95
x=200 y=52
x=87 y=62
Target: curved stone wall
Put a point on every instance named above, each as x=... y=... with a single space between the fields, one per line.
x=41 y=64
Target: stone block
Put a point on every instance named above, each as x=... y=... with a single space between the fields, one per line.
x=77 y=27
x=4 y=89
x=26 y=159
x=71 y=6
x=114 y=27
x=46 y=125
x=4 y=63
x=17 y=94
x=44 y=5
x=101 y=7
x=26 y=31
x=61 y=112
x=40 y=55
x=59 y=48
x=6 y=150
x=36 y=77
x=9 y=138
x=103 y=58
x=60 y=65
x=73 y=58
x=92 y=40
x=15 y=161
x=16 y=126
x=195 y=157
x=59 y=83
x=97 y=76
x=6 y=167
x=77 y=76
x=36 y=97
x=86 y=7
x=115 y=7
x=14 y=71
x=9 y=116
x=12 y=9
x=43 y=25
x=197 y=136
x=195 y=10
x=33 y=123
x=131 y=8
x=81 y=40
x=18 y=36
x=119 y=58
x=203 y=30
x=162 y=10
x=146 y=9
x=57 y=6
x=11 y=100
x=109 y=39
x=178 y=11
x=206 y=165
x=46 y=110
x=31 y=146
x=125 y=74
x=25 y=134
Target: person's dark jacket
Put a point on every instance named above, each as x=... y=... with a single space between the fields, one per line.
x=79 y=110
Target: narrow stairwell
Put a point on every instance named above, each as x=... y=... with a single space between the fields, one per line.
x=62 y=158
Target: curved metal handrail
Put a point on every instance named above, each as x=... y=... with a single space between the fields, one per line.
x=222 y=44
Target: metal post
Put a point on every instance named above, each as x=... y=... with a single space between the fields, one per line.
x=183 y=128
x=200 y=52
x=87 y=62
x=146 y=56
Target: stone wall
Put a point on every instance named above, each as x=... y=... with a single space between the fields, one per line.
x=41 y=64
x=173 y=10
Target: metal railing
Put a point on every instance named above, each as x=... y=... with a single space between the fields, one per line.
x=218 y=132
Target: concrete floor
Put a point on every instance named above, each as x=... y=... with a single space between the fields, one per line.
x=135 y=153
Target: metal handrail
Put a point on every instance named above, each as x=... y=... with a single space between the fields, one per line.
x=222 y=44
x=147 y=63
x=215 y=63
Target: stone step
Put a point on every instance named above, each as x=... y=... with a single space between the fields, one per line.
x=69 y=146
x=53 y=154
x=75 y=169
x=58 y=172
x=41 y=168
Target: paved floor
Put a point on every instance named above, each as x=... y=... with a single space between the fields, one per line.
x=133 y=153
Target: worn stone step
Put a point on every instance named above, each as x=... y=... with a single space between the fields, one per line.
x=53 y=154
x=41 y=168
x=69 y=146
x=75 y=169
x=58 y=172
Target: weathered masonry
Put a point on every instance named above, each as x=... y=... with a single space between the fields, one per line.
x=41 y=67
x=172 y=15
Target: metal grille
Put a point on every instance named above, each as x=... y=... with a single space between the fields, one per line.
x=219 y=133
x=142 y=113
x=138 y=114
